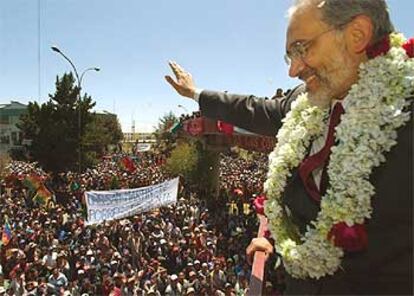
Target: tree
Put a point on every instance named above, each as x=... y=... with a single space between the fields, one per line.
x=4 y=162
x=183 y=161
x=163 y=135
x=103 y=131
x=57 y=127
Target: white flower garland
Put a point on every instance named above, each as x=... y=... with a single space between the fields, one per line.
x=368 y=129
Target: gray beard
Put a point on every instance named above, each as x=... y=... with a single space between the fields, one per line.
x=332 y=82
x=321 y=99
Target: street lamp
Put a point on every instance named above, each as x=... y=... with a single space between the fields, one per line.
x=182 y=107
x=79 y=80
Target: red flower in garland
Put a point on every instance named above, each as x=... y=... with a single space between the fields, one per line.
x=380 y=48
x=349 y=238
x=258 y=204
x=409 y=47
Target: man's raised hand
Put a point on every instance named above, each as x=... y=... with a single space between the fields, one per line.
x=184 y=83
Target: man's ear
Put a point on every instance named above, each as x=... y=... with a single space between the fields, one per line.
x=359 y=33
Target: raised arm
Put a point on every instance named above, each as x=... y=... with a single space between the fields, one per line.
x=259 y=115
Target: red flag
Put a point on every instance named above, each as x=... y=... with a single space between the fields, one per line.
x=128 y=164
x=225 y=128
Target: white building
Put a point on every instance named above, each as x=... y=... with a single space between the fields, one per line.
x=10 y=135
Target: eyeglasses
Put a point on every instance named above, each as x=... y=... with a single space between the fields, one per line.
x=299 y=49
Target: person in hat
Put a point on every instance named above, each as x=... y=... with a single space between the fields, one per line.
x=229 y=290
x=197 y=265
x=190 y=292
x=50 y=259
x=63 y=264
x=183 y=281
x=174 y=288
x=204 y=272
x=57 y=280
x=218 y=276
x=194 y=281
x=31 y=288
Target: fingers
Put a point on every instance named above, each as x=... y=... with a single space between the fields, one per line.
x=176 y=68
x=258 y=244
x=173 y=67
x=171 y=81
x=251 y=249
x=184 y=83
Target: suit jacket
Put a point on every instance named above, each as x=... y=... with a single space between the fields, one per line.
x=386 y=266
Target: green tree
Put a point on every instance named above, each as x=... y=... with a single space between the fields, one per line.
x=103 y=131
x=164 y=136
x=57 y=127
x=183 y=161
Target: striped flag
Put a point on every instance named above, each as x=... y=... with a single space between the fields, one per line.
x=175 y=127
x=7 y=233
x=42 y=196
x=33 y=182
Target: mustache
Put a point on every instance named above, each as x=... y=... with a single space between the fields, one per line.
x=308 y=73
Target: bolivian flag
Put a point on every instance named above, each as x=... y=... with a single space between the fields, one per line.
x=6 y=236
x=33 y=182
x=42 y=195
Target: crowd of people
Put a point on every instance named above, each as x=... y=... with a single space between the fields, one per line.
x=181 y=249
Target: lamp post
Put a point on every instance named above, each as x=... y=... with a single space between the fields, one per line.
x=79 y=81
x=182 y=107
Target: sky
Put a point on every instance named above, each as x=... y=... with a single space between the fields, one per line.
x=234 y=45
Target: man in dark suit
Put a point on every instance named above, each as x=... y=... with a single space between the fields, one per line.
x=327 y=41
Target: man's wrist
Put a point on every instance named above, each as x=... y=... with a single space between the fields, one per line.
x=196 y=95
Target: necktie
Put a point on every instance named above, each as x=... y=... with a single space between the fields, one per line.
x=320 y=158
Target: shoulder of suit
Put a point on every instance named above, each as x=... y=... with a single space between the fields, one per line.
x=294 y=93
x=286 y=102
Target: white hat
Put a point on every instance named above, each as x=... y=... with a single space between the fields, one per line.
x=173 y=277
x=192 y=273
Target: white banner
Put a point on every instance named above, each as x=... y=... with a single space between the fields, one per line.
x=143 y=147
x=117 y=204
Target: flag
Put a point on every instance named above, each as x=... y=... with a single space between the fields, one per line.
x=175 y=127
x=127 y=164
x=7 y=233
x=33 y=182
x=225 y=128
x=74 y=186
x=42 y=196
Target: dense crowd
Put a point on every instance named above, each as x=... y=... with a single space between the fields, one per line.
x=182 y=249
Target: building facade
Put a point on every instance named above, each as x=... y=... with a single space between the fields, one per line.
x=10 y=135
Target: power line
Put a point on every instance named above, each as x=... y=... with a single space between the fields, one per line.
x=39 y=86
